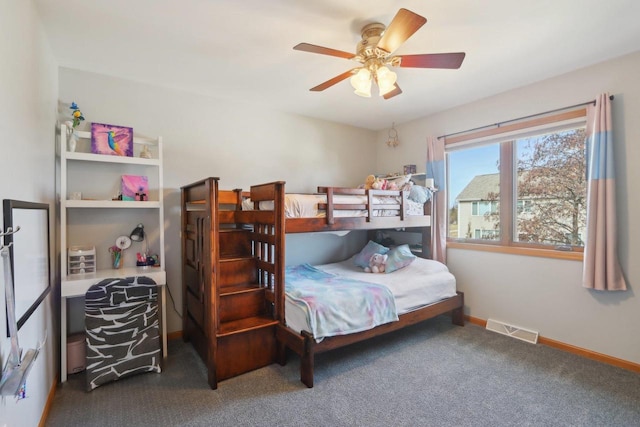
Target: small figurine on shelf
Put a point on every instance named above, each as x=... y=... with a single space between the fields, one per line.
x=145 y=153
x=76 y=116
x=141 y=196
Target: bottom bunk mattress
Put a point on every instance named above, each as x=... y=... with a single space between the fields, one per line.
x=388 y=295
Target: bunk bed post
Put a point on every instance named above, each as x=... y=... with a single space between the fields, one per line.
x=426 y=232
x=432 y=219
x=457 y=314
x=403 y=206
x=307 y=360
x=369 y=205
x=211 y=247
x=329 y=210
x=279 y=248
x=238 y=203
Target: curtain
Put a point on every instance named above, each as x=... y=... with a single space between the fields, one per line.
x=601 y=269
x=435 y=170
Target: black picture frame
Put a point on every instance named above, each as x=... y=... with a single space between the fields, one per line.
x=29 y=253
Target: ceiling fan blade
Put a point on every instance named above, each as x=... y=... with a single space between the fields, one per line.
x=306 y=47
x=403 y=25
x=432 y=60
x=396 y=91
x=331 y=82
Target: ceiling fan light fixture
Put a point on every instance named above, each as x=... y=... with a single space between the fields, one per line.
x=364 y=92
x=361 y=82
x=386 y=80
x=376 y=53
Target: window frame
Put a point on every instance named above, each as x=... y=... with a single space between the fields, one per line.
x=506 y=135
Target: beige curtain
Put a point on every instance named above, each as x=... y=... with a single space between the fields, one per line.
x=601 y=270
x=436 y=170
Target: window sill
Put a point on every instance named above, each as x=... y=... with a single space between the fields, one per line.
x=516 y=250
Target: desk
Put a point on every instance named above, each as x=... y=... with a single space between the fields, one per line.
x=76 y=285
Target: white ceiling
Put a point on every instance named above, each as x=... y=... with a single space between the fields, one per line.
x=242 y=49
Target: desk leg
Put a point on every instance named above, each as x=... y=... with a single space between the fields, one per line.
x=163 y=315
x=63 y=339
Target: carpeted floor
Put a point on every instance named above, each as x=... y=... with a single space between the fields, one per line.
x=432 y=374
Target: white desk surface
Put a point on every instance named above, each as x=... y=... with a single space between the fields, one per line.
x=76 y=285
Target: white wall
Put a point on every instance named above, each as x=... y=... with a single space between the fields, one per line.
x=537 y=293
x=241 y=144
x=28 y=86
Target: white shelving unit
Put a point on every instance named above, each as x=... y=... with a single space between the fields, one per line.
x=85 y=172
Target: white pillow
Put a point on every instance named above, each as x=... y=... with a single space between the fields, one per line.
x=399 y=180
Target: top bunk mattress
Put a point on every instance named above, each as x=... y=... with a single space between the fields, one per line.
x=307 y=205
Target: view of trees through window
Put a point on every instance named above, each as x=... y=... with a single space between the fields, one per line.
x=549 y=191
x=552 y=178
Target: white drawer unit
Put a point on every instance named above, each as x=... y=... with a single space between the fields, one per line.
x=82 y=259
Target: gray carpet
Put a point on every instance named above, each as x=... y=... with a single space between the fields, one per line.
x=432 y=374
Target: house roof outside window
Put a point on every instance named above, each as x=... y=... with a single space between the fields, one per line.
x=480 y=187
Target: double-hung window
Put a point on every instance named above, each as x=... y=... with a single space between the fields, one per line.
x=520 y=185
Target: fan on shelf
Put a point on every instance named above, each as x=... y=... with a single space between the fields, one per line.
x=375 y=53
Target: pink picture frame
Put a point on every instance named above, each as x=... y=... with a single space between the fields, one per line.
x=111 y=140
x=135 y=188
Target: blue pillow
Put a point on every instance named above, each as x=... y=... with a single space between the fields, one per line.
x=419 y=194
x=398 y=257
x=363 y=257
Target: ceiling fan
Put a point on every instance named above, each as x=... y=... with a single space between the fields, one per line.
x=375 y=53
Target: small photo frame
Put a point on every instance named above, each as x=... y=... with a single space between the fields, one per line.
x=112 y=140
x=409 y=169
x=135 y=188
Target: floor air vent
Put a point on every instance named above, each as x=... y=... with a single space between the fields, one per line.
x=512 y=331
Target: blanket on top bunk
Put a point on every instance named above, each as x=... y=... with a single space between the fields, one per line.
x=337 y=305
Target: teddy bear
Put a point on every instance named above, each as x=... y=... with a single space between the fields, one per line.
x=368 y=183
x=373 y=183
x=376 y=263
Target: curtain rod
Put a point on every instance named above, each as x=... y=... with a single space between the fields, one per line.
x=522 y=118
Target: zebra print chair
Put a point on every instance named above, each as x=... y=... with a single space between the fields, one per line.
x=122 y=327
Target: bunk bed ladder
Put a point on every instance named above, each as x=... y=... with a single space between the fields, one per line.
x=248 y=268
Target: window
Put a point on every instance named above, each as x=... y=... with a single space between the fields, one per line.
x=521 y=185
x=484 y=208
x=474 y=181
x=523 y=206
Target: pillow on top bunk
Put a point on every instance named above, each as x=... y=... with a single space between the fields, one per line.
x=362 y=258
x=398 y=257
x=399 y=181
x=419 y=194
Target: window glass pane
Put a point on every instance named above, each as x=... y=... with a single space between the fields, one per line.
x=474 y=191
x=551 y=189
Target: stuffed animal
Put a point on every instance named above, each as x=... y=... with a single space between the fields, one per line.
x=376 y=263
x=373 y=183
x=368 y=184
x=380 y=184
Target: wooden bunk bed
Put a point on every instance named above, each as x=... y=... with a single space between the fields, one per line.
x=333 y=208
